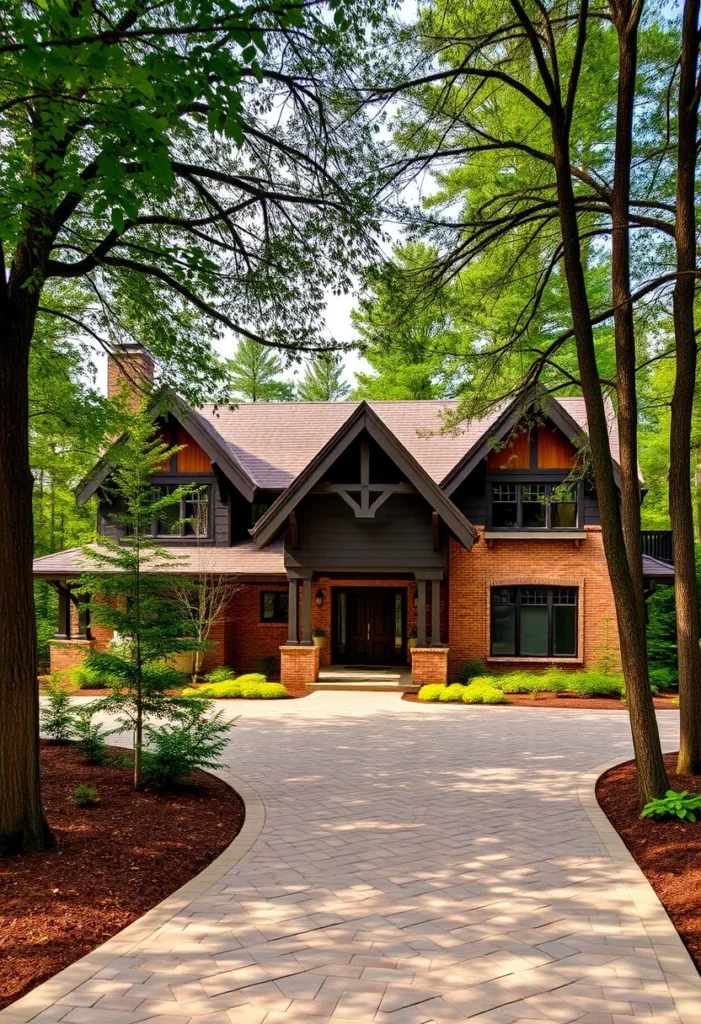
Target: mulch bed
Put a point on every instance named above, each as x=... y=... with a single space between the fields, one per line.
x=557 y=700
x=667 y=852
x=293 y=689
x=111 y=862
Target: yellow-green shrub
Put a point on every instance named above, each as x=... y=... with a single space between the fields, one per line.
x=431 y=691
x=452 y=693
x=482 y=692
x=253 y=686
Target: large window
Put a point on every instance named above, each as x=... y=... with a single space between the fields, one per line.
x=534 y=622
x=187 y=518
x=273 y=606
x=533 y=506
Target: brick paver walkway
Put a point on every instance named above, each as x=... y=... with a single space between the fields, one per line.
x=417 y=864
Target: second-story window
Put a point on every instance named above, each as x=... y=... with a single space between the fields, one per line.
x=187 y=518
x=533 y=506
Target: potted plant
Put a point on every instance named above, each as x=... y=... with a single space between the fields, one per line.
x=412 y=638
x=319 y=638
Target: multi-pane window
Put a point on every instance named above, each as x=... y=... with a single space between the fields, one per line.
x=534 y=622
x=273 y=606
x=188 y=517
x=533 y=506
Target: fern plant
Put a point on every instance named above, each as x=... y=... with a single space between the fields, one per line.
x=673 y=805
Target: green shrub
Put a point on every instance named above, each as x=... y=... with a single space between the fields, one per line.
x=662 y=677
x=252 y=687
x=174 y=752
x=482 y=693
x=673 y=805
x=596 y=684
x=471 y=669
x=230 y=688
x=269 y=667
x=91 y=736
x=57 y=716
x=85 y=796
x=431 y=691
x=451 y=693
x=254 y=678
x=263 y=691
x=221 y=674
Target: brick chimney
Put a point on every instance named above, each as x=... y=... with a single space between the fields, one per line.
x=129 y=368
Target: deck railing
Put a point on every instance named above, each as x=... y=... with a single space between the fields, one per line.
x=658 y=544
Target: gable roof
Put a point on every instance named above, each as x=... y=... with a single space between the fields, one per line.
x=568 y=414
x=275 y=441
x=363 y=418
x=200 y=430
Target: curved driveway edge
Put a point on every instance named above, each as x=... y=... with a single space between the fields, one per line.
x=682 y=978
x=44 y=996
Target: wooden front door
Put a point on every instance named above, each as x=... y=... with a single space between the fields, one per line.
x=372 y=620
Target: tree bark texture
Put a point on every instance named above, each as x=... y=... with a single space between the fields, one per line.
x=652 y=777
x=23 y=827
x=681 y=509
x=625 y=19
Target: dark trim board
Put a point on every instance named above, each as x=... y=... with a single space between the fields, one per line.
x=362 y=419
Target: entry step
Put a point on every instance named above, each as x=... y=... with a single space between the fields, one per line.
x=376 y=685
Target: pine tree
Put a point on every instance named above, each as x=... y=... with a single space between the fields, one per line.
x=255 y=374
x=323 y=380
x=132 y=588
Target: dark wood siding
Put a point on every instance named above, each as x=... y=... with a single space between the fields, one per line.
x=399 y=537
x=471 y=497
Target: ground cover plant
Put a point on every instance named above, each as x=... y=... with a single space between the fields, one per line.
x=252 y=686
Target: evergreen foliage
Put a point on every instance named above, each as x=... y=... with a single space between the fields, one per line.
x=255 y=372
x=323 y=380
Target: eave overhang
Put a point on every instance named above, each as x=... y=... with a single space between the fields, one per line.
x=275 y=519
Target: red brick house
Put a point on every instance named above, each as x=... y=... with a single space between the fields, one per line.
x=404 y=545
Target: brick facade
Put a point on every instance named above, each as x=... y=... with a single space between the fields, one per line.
x=546 y=562
x=67 y=654
x=298 y=665
x=429 y=665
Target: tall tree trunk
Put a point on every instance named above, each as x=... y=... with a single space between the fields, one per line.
x=652 y=777
x=23 y=827
x=680 y=504
x=625 y=18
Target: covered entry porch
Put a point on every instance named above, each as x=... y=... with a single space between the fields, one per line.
x=366 y=624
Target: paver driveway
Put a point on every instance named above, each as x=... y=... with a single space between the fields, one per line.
x=417 y=863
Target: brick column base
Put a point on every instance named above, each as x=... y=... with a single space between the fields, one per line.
x=299 y=665
x=429 y=665
x=67 y=654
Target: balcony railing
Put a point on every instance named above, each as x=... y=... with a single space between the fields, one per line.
x=658 y=544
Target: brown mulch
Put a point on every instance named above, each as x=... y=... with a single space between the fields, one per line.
x=111 y=863
x=667 y=852
x=558 y=700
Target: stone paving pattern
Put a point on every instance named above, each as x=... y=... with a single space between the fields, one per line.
x=417 y=864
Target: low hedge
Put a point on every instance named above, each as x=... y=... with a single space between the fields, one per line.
x=252 y=686
x=487 y=689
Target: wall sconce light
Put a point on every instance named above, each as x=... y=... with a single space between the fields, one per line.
x=415 y=600
x=319 y=597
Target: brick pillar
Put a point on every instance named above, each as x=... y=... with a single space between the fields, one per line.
x=429 y=665
x=67 y=654
x=299 y=665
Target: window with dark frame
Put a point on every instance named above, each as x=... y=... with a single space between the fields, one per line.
x=534 y=506
x=188 y=518
x=273 y=606
x=534 y=622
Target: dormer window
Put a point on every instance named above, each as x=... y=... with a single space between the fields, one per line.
x=534 y=506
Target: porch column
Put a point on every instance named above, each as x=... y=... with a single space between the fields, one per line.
x=292 y=616
x=421 y=611
x=64 y=613
x=306 y=612
x=79 y=600
x=436 y=613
